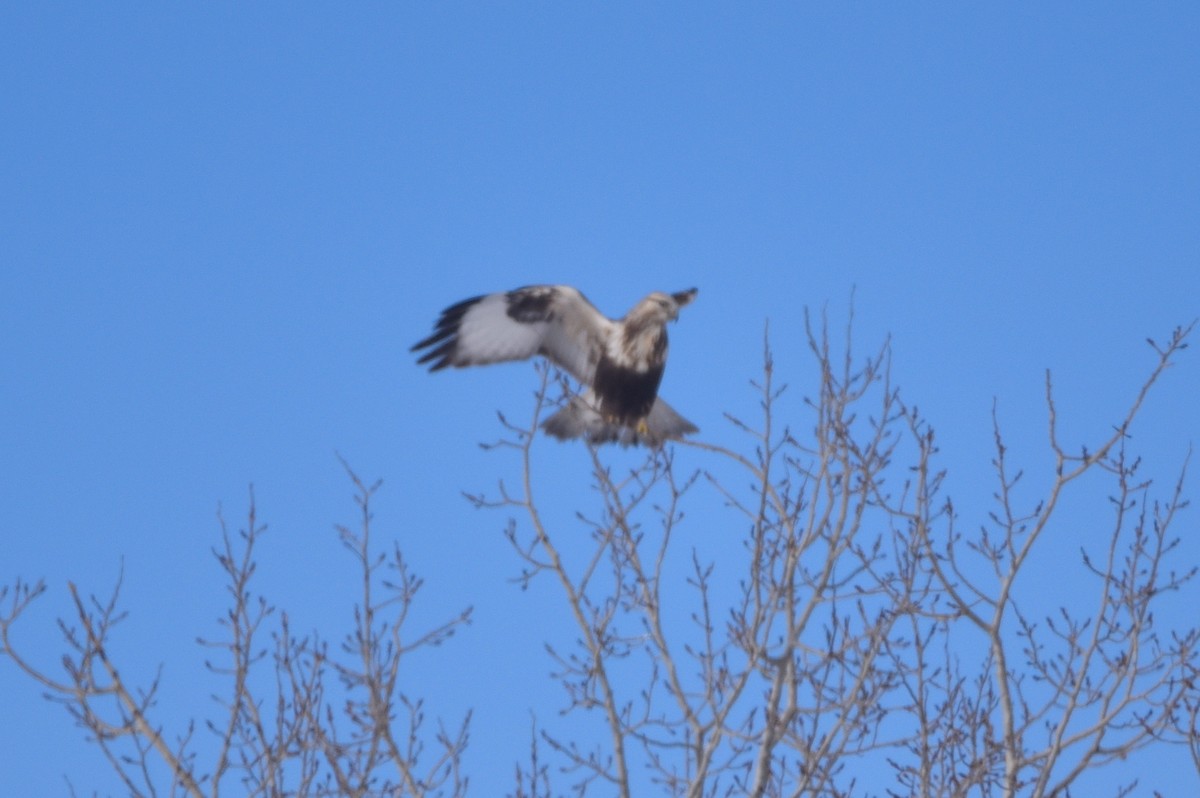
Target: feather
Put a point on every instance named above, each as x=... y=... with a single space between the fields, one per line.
x=581 y=418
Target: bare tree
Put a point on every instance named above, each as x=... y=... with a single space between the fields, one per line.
x=856 y=632
x=806 y=615
x=298 y=718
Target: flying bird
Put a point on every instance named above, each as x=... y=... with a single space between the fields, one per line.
x=619 y=361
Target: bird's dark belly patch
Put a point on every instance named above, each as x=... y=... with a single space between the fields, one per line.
x=625 y=395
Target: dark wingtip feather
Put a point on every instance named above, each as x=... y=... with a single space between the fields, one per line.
x=444 y=336
x=438 y=335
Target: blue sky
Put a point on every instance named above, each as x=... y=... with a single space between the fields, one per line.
x=223 y=226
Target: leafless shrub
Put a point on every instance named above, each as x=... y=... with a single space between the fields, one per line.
x=832 y=654
x=298 y=718
x=802 y=616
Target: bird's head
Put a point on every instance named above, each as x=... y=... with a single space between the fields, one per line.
x=661 y=307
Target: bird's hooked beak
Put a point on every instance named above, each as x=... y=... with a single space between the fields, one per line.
x=682 y=298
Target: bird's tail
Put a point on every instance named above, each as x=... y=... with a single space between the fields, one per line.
x=581 y=418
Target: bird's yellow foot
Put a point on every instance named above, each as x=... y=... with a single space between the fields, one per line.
x=643 y=428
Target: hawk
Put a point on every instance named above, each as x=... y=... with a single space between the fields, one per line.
x=619 y=361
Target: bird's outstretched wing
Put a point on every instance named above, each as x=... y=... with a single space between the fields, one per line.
x=552 y=320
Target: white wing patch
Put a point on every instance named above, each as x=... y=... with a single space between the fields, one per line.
x=487 y=334
x=577 y=335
